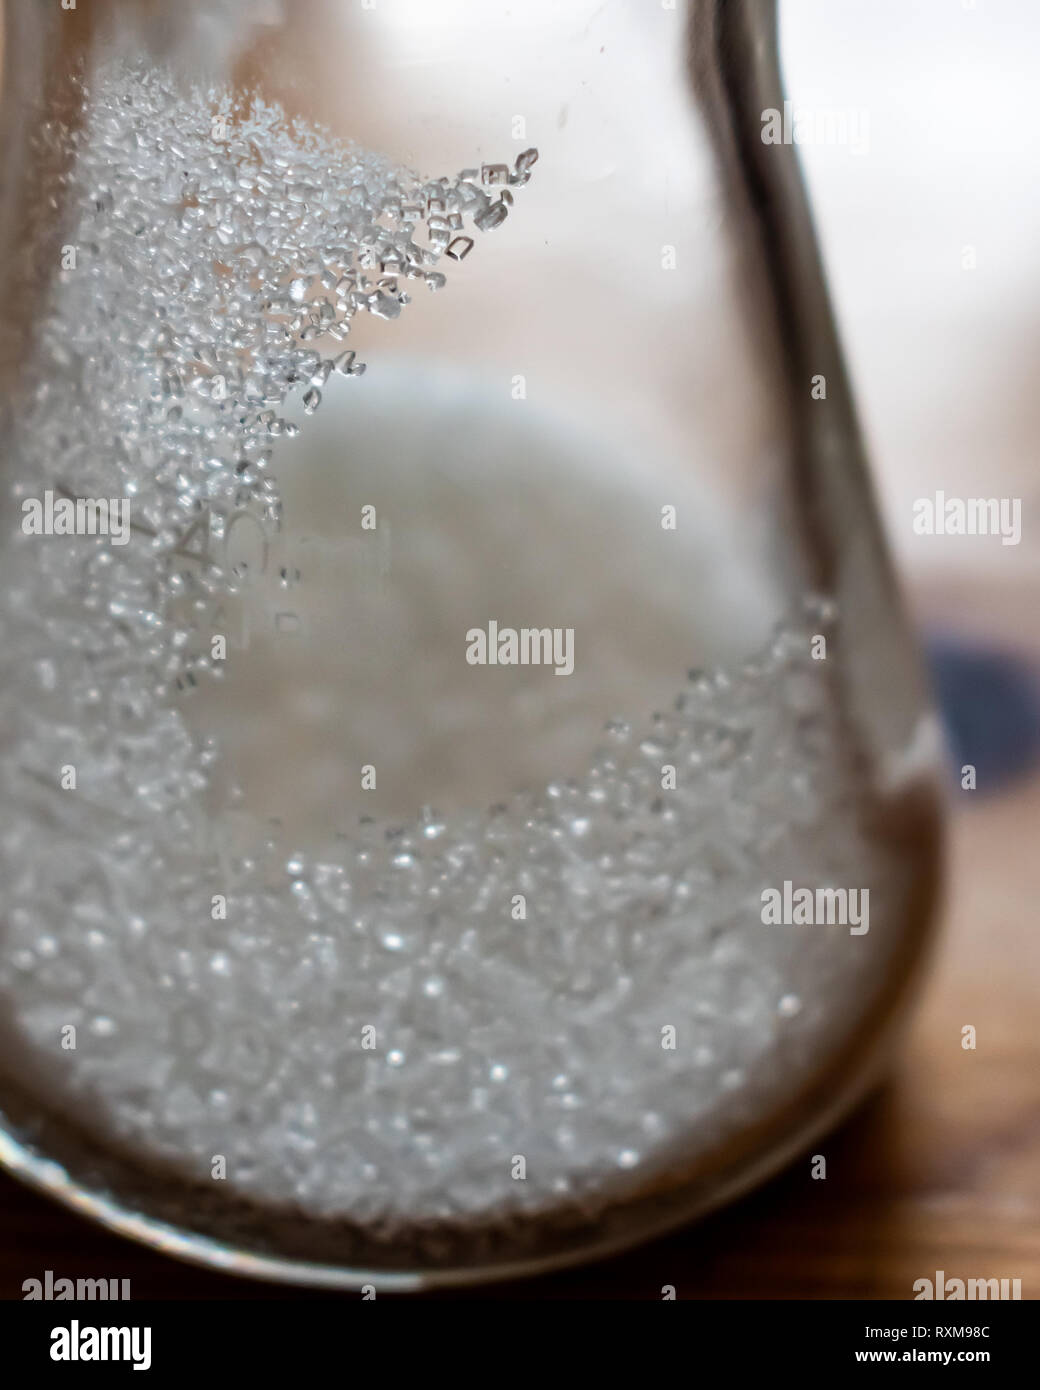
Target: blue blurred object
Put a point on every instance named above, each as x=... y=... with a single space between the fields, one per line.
x=990 y=701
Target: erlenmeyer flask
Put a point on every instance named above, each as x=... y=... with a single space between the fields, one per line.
x=468 y=795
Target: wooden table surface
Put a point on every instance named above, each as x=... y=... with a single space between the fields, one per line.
x=940 y=1171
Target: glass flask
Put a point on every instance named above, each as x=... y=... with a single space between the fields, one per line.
x=468 y=787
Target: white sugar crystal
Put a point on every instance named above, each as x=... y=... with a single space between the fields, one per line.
x=371 y=1033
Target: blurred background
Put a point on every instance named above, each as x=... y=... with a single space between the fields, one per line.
x=930 y=236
